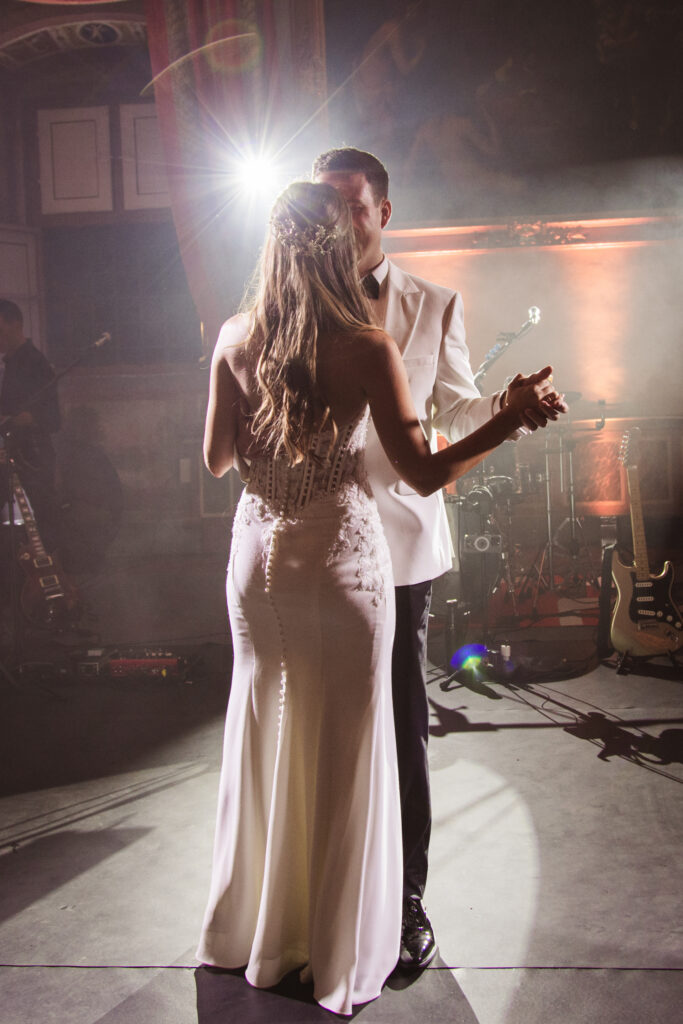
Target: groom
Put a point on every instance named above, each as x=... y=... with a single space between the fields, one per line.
x=426 y=321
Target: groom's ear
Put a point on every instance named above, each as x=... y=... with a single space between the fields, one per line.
x=386 y=212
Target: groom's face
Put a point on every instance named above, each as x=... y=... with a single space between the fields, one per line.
x=369 y=216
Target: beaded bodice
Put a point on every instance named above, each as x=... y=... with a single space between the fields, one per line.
x=332 y=465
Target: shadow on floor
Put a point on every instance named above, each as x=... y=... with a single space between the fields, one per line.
x=90 y=727
x=431 y=996
x=33 y=871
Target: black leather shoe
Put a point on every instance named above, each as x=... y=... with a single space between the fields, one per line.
x=418 y=946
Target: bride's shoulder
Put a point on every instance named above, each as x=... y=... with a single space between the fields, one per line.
x=372 y=341
x=376 y=350
x=359 y=353
x=232 y=345
x=234 y=332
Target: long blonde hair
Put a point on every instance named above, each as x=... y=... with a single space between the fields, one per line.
x=308 y=286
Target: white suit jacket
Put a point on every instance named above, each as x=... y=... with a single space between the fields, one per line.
x=427 y=323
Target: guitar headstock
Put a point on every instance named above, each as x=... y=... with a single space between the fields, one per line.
x=629 y=451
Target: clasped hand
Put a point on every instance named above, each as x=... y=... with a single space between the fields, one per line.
x=535 y=399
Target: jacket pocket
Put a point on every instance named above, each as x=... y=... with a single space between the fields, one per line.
x=411 y=362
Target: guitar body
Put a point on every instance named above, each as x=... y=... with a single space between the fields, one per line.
x=48 y=600
x=645 y=621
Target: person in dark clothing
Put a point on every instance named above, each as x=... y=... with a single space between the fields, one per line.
x=29 y=416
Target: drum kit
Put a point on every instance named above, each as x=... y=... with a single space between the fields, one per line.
x=506 y=508
x=509 y=505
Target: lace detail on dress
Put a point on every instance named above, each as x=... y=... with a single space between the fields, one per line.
x=285 y=491
x=279 y=495
x=360 y=531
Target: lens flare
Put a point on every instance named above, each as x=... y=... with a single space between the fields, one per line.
x=242 y=48
x=469 y=656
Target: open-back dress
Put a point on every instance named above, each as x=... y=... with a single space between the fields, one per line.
x=307 y=866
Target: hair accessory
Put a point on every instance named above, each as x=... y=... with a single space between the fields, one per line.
x=313 y=240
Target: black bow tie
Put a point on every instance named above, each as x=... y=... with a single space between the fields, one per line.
x=370 y=286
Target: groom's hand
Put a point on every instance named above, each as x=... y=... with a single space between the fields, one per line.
x=554 y=403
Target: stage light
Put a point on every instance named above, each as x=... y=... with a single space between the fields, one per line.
x=257 y=175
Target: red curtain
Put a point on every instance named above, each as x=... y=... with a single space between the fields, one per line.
x=228 y=74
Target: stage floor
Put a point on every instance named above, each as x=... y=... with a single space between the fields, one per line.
x=554 y=887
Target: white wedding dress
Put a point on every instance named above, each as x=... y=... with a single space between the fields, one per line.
x=307 y=866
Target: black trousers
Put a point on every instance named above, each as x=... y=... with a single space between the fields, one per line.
x=411 y=718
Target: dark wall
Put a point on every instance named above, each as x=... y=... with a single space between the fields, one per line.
x=493 y=107
x=127 y=279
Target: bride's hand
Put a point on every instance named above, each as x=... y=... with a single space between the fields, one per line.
x=534 y=399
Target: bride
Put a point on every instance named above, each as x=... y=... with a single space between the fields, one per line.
x=307 y=860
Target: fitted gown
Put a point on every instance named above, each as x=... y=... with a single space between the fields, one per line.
x=307 y=868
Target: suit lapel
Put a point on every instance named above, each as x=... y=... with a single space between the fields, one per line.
x=404 y=302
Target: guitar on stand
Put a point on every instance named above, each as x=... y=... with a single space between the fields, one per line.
x=645 y=620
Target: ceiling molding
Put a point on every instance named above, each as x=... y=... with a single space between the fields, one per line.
x=39 y=39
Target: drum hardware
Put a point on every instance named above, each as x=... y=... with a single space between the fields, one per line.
x=457 y=623
x=543 y=566
x=545 y=553
x=483 y=542
x=482 y=545
x=576 y=543
x=500 y=486
x=526 y=480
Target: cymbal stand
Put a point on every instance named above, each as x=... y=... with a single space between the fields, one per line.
x=543 y=565
x=576 y=543
x=544 y=556
x=506 y=560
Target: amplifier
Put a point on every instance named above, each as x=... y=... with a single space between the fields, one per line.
x=148 y=663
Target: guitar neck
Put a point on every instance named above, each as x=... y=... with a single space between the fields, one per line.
x=640 y=559
x=35 y=543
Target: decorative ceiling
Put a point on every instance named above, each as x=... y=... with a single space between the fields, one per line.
x=32 y=43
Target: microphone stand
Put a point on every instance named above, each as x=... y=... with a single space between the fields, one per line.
x=504 y=340
x=37 y=396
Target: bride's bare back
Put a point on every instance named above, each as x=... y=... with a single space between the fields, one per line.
x=352 y=370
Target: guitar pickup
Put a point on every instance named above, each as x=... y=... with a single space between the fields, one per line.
x=49 y=581
x=42 y=562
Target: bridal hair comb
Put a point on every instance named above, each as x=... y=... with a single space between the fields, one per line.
x=314 y=240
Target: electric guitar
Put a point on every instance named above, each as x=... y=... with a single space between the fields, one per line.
x=645 y=621
x=48 y=598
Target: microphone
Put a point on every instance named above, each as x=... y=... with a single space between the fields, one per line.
x=102 y=340
x=504 y=340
